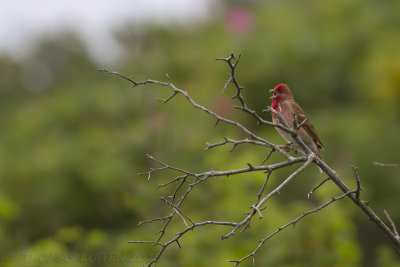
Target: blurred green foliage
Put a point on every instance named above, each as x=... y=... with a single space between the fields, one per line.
x=73 y=139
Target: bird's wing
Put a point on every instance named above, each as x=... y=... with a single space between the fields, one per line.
x=301 y=116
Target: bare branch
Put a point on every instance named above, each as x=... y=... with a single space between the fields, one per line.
x=145 y=242
x=235 y=143
x=395 y=232
x=263 y=187
x=318 y=186
x=151 y=171
x=387 y=164
x=359 y=187
x=292 y=223
x=214 y=173
x=166 y=166
x=264 y=199
x=267 y=157
x=187 y=180
x=296 y=125
x=201 y=177
x=292 y=132
x=232 y=79
x=153 y=220
x=177 y=237
x=178 y=178
x=122 y=76
x=238 y=95
x=363 y=205
x=168 y=98
x=180 y=212
x=218 y=117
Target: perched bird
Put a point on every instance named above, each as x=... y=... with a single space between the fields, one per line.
x=283 y=102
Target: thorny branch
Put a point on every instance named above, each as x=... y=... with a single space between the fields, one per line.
x=292 y=223
x=185 y=181
x=258 y=206
x=232 y=62
x=213 y=114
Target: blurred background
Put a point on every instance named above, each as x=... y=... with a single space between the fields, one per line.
x=73 y=139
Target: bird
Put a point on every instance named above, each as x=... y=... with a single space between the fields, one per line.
x=283 y=102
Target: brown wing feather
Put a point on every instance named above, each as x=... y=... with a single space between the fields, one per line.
x=301 y=116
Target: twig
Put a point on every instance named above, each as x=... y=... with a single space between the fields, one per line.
x=259 y=204
x=395 y=232
x=318 y=186
x=218 y=117
x=145 y=242
x=264 y=185
x=359 y=187
x=201 y=177
x=387 y=164
x=232 y=79
x=293 y=223
x=151 y=171
x=363 y=205
x=235 y=143
x=214 y=173
x=232 y=63
x=180 y=212
x=178 y=178
x=153 y=220
x=267 y=157
x=177 y=237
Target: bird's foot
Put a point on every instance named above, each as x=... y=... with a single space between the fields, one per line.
x=295 y=150
x=287 y=147
x=290 y=146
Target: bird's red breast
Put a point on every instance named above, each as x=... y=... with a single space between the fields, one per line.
x=280 y=92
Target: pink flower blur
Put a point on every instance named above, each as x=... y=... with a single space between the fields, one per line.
x=239 y=20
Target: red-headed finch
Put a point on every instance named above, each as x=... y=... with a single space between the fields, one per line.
x=283 y=102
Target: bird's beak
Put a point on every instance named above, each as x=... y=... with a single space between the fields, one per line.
x=273 y=92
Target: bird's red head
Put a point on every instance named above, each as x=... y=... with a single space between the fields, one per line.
x=281 y=92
